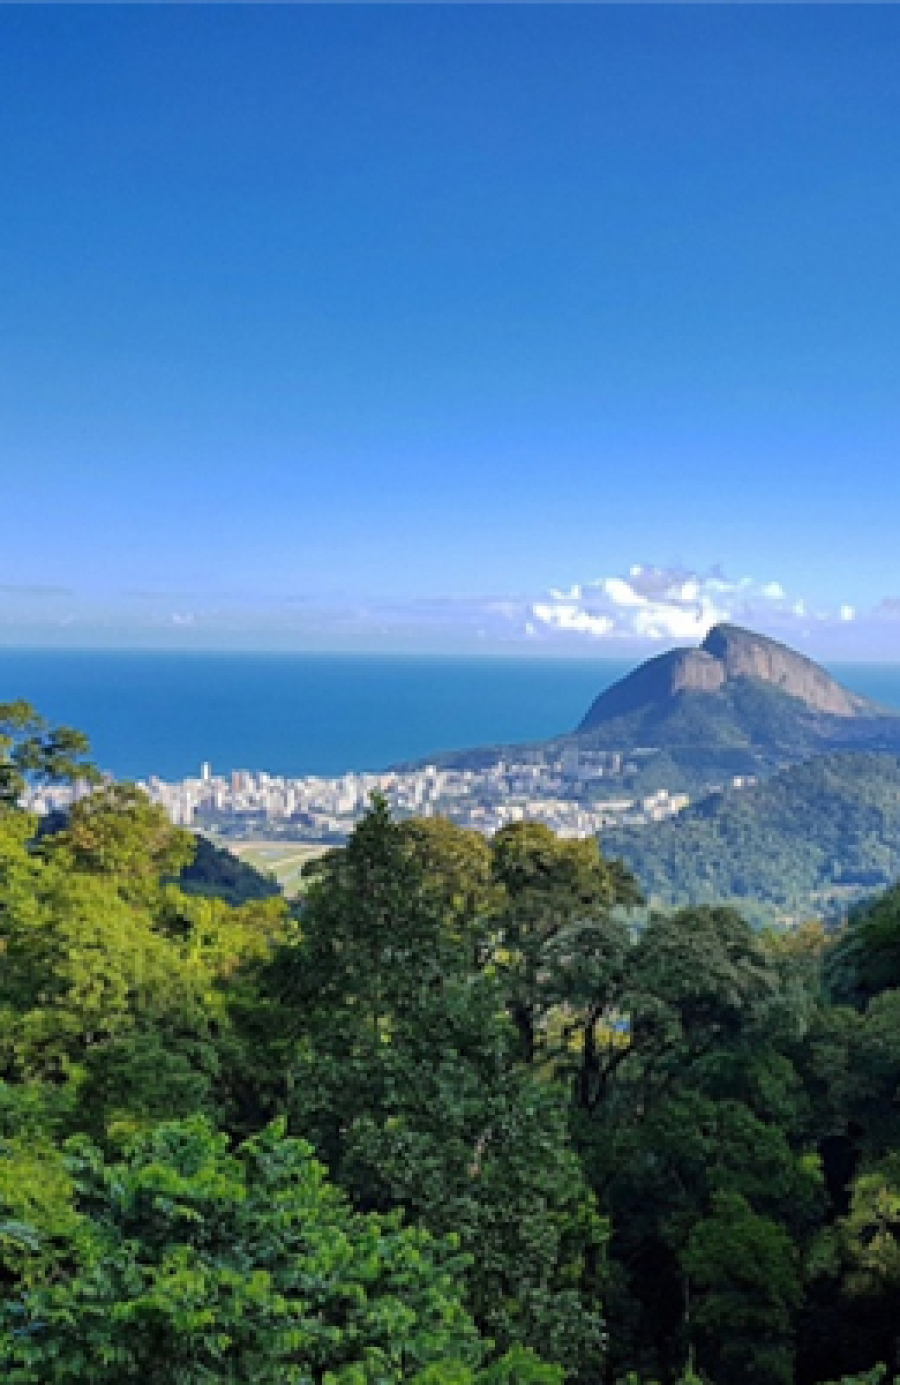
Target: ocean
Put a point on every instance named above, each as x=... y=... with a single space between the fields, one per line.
x=162 y=712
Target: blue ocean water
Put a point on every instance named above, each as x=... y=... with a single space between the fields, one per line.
x=153 y=712
x=160 y=712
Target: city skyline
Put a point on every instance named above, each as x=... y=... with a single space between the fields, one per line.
x=520 y=329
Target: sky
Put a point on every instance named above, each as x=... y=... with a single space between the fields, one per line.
x=551 y=329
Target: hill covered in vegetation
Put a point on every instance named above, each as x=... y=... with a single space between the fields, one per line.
x=741 y=704
x=217 y=871
x=806 y=842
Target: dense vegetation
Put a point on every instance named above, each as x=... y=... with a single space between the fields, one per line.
x=804 y=843
x=455 y=1121
x=209 y=870
x=214 y=870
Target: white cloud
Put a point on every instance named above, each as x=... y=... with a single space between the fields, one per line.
x=620 y=592
x=561 y=616
x=675 y=604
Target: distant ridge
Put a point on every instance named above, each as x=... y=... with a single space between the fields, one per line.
x=806 y=843
x=727 y=654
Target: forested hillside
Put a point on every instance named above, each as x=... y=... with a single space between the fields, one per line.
x=806 y=842
x=216 y=871
x=456 y=1122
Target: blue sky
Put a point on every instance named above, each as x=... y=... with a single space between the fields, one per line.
x=507 y=328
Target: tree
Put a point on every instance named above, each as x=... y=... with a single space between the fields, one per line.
x=197 y=1265
x=553 y=928
x=36 y=1210
x=870 y=1233
x=865 y=959
x=404 y=1072
x=117 y=831
x=468 y=1142
x=373 y=929
x=457 y=871
x=33 y=752
x=746 y=1282
x=673 y=1107
x=111 y=984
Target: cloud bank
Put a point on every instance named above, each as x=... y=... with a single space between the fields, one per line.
x=620 y=614
x=672 y=604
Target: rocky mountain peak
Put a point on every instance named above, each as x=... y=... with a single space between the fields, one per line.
x=728 y=653
x=745 y=654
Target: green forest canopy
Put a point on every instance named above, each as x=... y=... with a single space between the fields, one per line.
x=453 y=1120
x=804 y=842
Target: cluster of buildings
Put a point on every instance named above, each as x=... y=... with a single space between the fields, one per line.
x=54 y=798
x=569 y=792
x=572 y=791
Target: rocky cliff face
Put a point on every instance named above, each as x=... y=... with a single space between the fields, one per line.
x=728 y=653
x=695 y=668
x=657 y=681
x=744 y=654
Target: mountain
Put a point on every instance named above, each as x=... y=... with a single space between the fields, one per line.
x=808 y=841
x=727 y=655
x=740 y=705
